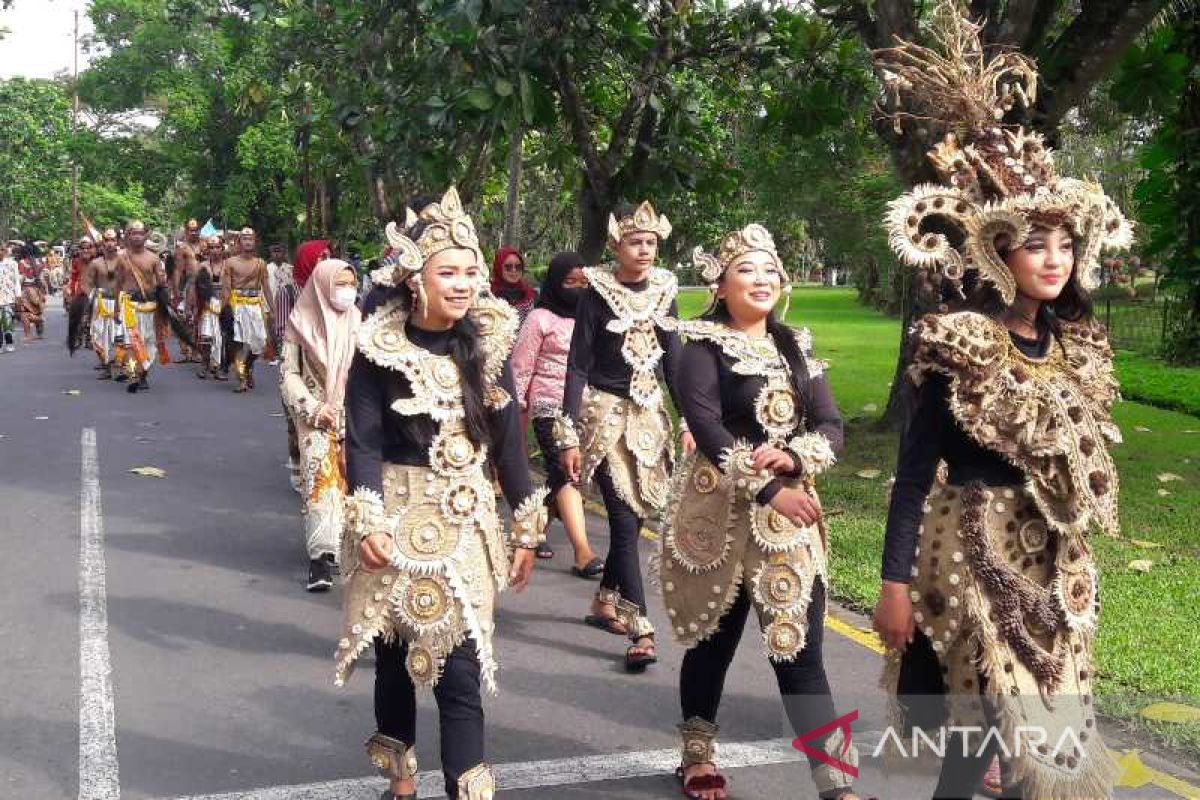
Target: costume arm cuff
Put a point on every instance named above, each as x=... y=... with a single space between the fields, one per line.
x=364 y=513
x=812 y=452
x=529 y=520
x=736 y=464
x=566 y=436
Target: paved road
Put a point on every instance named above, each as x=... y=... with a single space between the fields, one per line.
x=220 y=664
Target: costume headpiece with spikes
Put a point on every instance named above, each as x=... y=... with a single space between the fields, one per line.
x=446 y=225
x=734 y=245
x=998 y=180
x=644 y=219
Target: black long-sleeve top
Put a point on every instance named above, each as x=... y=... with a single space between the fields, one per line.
x=595 y=358
x=933 y=435
x=719 y=406
x=375 y=433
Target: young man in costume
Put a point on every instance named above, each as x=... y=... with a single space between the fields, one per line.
x=188 y=253
x=989 y=585
x=429 y=404
x=99 y=284
x=250 y=300
x=615 y=428
x=140 y=273
x=212 y=327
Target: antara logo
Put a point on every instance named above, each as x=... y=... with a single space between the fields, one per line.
x=842 y=723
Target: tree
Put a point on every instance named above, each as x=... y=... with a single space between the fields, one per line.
x=35 y=192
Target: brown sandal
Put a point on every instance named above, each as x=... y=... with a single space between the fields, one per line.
x=692 y=786
x=638 y=661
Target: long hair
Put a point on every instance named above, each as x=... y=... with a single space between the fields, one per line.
x=785 y=343
x=468 y=356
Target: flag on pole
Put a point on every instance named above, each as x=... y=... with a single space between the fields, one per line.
x=92 y=231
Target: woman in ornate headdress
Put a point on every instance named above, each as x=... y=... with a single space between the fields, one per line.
x=615 y=427
x=989 y=584
x=743 y=524
x=429 y=402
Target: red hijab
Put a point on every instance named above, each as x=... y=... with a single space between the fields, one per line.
x=517 y=294
x=307 y=256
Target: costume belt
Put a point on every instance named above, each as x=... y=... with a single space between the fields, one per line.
x=246 y=297
x=130 y=308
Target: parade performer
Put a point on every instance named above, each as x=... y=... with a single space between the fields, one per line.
x=744 y=527
x=250 y=300
x=100 y=284
x=615 y=428
x=286 y=294
x=318 y=348
x=211 y=310
x=188 y=253
x=989 y=584
x=31 y=304
x=539 y=363
x=279 y=278
x=139 y=275
x=10 y=290
x=429 y=403
x=76 y=299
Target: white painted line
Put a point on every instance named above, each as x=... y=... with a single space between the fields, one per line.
x=99 y=775
x=532 y=774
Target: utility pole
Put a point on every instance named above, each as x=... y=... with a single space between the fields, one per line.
x=74 y=125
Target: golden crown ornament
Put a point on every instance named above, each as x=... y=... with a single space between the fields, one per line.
x=447 y=225
x=754 y=238
x=644 y=219
x=997 y=181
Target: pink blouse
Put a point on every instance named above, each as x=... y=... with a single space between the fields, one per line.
x=539 y=362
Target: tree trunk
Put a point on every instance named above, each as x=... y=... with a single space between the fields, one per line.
x=512 y=206
x=593 y=222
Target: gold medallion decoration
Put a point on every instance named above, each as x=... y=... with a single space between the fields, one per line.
x=425 y=603
x=421 y=664
x=461 y=502
x=423 y=536
x=1075 y=593
x=779 y=587
x=706 y=479
x=784 y=639
x=699 y=543
x=453 y=452
x=1034 y=536
x=774 y=532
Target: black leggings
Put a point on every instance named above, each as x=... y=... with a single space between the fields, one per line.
x=623 y=566
x=802 y=681
x=543 y=429
x=460 y=708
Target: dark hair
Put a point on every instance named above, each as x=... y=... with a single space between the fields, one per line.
x=468 y=356
x=623 y=209
x=785 y=342
x=1073 y=304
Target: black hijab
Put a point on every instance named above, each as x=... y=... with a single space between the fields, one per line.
x=554 y=296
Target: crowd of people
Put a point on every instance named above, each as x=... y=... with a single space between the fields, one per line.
x=409 y=408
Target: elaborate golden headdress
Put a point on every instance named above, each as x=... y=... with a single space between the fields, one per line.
x=752 y=238
x=998 y=180
x=447 y=225
x=643 y=219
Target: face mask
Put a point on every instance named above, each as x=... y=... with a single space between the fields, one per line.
x=344 y=297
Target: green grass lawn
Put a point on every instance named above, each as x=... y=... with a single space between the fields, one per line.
x=1149 y=642
x=1150 y=380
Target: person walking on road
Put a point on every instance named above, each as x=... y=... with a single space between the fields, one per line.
x=10 y=291
x=31 y=303
x=318 y=347
x=539 y=364
x=615 y=427
x=429 y=403
x=744 y=527
x=250 y=299
x=989 y=591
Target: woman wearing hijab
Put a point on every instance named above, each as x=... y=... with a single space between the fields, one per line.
x=317 y=351
x=539 y=363
x=308 y=254
x=508 y=281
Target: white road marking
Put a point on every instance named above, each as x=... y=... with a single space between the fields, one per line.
x=532 y=774
x=99 y=775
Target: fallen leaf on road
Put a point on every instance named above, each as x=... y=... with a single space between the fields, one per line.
x=72 y=392
x=1142 y=429
x=1141 y=564
x=1163 y=493
x=43 y=418
x=869 y=474
x=1167 y=477
x=1171 y=712
x=149 y=472
x=1144 y=543
x=277 y=414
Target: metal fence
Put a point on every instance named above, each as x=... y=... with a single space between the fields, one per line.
x=1139 y=324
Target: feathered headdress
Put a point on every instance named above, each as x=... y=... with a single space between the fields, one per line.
x=998 y=180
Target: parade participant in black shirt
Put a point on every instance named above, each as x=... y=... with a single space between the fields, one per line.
x=429 y=402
